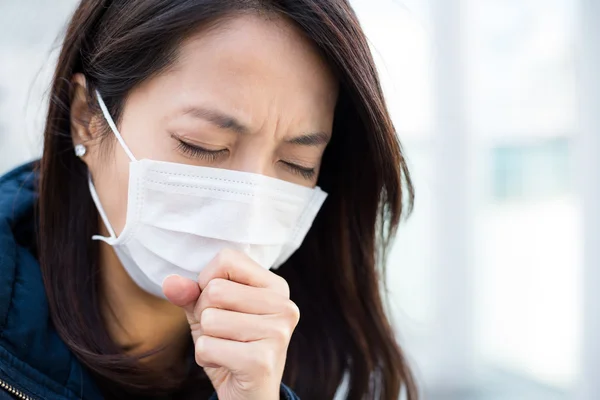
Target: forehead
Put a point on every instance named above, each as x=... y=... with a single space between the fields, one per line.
x=251 y=62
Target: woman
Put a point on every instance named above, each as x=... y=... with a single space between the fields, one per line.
x=188 y=148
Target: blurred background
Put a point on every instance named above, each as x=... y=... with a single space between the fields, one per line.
x=493 y=281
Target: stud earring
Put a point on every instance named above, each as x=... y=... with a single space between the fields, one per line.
x=80 y=150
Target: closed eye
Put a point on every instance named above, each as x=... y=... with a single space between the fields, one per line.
x=199 y=152
x=305 y=172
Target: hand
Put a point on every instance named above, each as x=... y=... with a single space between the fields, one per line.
x=241 y=318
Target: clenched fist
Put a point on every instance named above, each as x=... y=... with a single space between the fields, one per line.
x=241 y=318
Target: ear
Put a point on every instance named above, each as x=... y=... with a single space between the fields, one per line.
x=82 y=130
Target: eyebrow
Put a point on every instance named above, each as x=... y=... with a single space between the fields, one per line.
x=312 y=139
x=228 y=122
x=217 y=118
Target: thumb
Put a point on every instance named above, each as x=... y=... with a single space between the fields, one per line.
x=183 y=293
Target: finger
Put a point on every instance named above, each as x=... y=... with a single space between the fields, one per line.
x=233 y=296
x=238 y=267
x=183 y=293
x=238 y=357
x=232 y=325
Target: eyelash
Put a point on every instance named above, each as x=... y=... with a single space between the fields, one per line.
x=212 y=155
x=199 y=152
x=306 y=173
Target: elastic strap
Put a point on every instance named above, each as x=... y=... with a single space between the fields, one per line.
x=113 y=127
x=100 y=211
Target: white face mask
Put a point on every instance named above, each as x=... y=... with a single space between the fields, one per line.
x=179 y=217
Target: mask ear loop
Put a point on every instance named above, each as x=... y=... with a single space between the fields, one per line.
x=93 y=192
x=103 y=215
x=113 y=127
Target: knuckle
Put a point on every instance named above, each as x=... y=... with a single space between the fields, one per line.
x=201 y=354
x=208 y=320
x=281 y=334
x=292 y=312
x=213 y=292
x=262 y=361
x=282 y=286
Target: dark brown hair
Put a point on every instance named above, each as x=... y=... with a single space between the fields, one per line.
x=335 y=277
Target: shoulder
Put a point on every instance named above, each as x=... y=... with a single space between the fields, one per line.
x=33 y=357
x=18 y=187
x=17 y=199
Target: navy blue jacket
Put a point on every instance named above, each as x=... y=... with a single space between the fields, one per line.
x=34 y=362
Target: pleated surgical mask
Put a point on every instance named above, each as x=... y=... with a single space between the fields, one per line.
x=180 y=216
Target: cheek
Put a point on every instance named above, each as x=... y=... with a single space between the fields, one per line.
x=146 y=137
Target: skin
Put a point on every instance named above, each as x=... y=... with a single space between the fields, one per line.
x=255 y=92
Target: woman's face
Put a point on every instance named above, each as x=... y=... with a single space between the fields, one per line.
x=250 y=94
